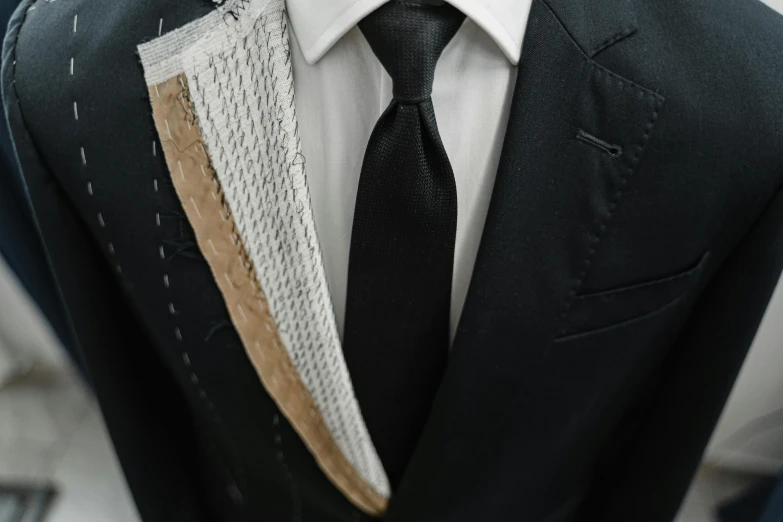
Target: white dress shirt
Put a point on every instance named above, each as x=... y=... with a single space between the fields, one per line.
x=341 y=90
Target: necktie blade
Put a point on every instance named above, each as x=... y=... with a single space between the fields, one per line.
x=402 y=243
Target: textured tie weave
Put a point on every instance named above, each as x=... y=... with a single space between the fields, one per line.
x=402 y=243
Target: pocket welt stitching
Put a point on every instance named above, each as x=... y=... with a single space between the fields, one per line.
x=608 y=294
x=671 y=304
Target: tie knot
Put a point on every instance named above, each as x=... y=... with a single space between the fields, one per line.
x=408 y=39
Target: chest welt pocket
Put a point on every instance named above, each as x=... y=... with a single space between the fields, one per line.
x=602 y=311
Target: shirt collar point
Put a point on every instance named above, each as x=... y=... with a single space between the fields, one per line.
x=321 y=30
x=504 y=22
x=512 y=50
x=313 y=54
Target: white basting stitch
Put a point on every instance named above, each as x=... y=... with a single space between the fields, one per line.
x=202 y=171
x=212 y=245
x=196 y=207
x=101 y=221
x=222 y=216
x=241 y=261
x=241 y=312
x=228 y=280
x=192 y=373
x=178 y=334
x=214 y=196
x=260 y=352
x=186 y=359
x=268 y=328
x=160 y=27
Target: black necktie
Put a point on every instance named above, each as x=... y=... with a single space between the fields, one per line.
x=402 y=244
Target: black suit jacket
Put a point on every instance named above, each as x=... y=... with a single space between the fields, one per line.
x=634 y=237
x=20 y=245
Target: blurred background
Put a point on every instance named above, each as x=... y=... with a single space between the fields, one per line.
x=57 y=464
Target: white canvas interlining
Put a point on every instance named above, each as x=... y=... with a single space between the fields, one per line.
x=238 y=66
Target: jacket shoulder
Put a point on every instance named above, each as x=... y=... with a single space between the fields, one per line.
x=720 y=65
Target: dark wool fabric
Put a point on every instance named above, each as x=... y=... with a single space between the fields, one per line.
x=402 y=243
x=633 y=239
x=20 y=246
x=238 y=460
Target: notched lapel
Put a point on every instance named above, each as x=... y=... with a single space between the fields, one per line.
x=595 y=24
x=575 y=136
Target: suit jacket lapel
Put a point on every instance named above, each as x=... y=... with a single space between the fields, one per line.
x=576 y=133
x=559 y=179
x=222 y=94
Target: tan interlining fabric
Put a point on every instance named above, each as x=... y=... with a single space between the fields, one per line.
x=200 y=193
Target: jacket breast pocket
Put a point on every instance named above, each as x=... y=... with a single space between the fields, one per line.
x=603 y=311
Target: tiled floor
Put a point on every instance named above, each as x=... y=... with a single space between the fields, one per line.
x=51 y=432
